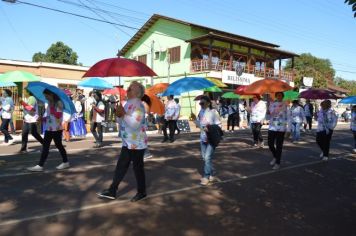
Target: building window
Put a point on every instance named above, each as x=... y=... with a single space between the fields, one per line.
x=174 y=54
x=156 y=55
x=143 y=59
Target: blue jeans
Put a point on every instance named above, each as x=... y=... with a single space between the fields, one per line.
x=296 y=131
x=207 y=152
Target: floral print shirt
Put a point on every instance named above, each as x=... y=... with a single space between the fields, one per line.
x=133 y=125
x=279 y=117
x=54 y=118
x=207 y=117
x=327 y=120
x=258 y=111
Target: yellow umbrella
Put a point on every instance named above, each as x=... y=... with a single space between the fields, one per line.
x=217 y=82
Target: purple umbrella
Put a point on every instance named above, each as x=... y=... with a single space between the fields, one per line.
x=317 y=94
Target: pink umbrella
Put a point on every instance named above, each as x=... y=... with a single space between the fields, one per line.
x=68 y=92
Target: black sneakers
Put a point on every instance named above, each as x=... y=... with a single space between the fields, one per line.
x=138 y=197
x=107 y=194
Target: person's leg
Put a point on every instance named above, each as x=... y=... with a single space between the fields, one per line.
x=34 y=132
x=24 y=139
x=259 y=133
x=297 y=131
x=319 y=139
x=5 y=130
x=254 y=133
x=327 y=143
x=57 y=137
x=310 y=122
x=293 y=131
x=209 y=169
x=93 y=126
x=229 y=120
x=164 y=129
x=171 y=126
x=354 y=132
x=100 y=132
x=279 y=146
x=12 y=126
x=138 y=167
x=45 y=149
x=271 y=140
x=122 y=165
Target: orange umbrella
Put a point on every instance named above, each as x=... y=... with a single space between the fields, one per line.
x=241 y=90
x=157 y=105
x=267 y=86
x=157 y=88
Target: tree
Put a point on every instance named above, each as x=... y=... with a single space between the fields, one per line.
x=346 y=84
x=353 y=3
x=57 y=53
x=310 y=66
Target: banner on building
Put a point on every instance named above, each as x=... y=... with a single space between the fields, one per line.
x=230 y=77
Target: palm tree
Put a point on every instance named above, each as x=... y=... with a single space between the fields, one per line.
x=353 y=3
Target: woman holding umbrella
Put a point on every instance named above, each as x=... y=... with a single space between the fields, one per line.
x=6 y=107
x=278 y=125
x=53 y=131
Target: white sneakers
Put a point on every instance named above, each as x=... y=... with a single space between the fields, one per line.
x=354 y=150
x=325 y=158
x=204 y=181
x=62 y=166
x=321 y=155
x=276 y=167
x=38 y=168
x=273 y=162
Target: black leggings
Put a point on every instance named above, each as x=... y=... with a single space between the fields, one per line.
x=56 y=136
x=275 y=144
x=256 y=131
x=323 y=140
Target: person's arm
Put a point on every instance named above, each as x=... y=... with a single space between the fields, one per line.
x=26 y=106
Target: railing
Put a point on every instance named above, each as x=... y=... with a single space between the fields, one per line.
x=259 y=71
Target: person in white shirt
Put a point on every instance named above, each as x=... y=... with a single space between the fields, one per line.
x=30 y=109
x=297 y=119
x=177 y=116
x=258 y=114
x=207 y=116
x=96 y=127
x=278 y=126
x=134 y=143
x=327 y=120
x=7 y=107
x=169 y=116
x=308 y=110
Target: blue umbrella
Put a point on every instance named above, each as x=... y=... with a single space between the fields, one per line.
x=7 y=84
x=349 y=100
x=187 y=84
x=37 y=88
x=96 y=83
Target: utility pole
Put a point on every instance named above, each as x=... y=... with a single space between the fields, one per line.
x=169 y=66
x=152 y=58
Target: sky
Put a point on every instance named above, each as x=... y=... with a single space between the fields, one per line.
x=324 y=28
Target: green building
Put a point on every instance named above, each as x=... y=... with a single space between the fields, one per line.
x=174 y=48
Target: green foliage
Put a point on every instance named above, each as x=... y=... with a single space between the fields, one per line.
x=346 y=84
x=353 y=3
x=58 y=53
x=310 y=66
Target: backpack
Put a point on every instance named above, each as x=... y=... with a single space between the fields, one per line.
x=214 y=134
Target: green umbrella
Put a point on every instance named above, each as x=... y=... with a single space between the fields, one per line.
x=230 y=95
x=18 y=76
x=213 y=89
x=290 y=95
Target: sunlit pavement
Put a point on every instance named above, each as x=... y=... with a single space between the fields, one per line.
x=305 y=197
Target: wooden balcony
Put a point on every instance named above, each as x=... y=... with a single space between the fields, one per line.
x=202 y=65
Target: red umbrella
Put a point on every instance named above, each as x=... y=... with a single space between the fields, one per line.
x=318 y=94
x=115 y=91
x=119 y=67
x=241 y=90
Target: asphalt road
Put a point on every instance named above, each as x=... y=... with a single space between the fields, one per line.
x=305 y=197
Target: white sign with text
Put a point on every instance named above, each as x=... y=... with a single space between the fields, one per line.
x=230 y=77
